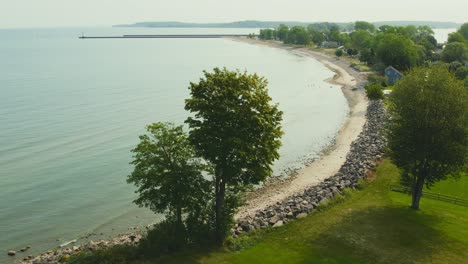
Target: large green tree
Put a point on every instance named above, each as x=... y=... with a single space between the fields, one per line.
x=282 y=32
x=398 y=51
x=361 y=39
x=266 y=34
x=298 y=35
x=168 y=174
x=455 y=51
x=237 y=129
x=455 y=37
x=428 y=128
x=363 y=25
x=464 y=30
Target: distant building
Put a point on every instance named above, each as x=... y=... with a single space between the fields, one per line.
x=387 y=92
x=393 y=75
x=330 y=44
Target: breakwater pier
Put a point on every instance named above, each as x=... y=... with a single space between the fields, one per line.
x=184 y=36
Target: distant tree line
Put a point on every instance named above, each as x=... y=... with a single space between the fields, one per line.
x=403 y=47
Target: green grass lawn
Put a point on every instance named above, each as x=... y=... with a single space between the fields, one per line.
x=454 y=187
x=371 y=225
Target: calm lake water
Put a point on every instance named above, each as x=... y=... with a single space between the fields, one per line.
x=71 y=110
x=441 y=34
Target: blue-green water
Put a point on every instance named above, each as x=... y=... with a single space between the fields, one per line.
x=71 y=110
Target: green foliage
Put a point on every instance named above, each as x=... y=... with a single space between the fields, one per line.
x=363 y=25
x=162 y=239
x=453 y=66
x=298 y=35
x=461 y=73
x=374 y=91
x=119 y=254
x=368 y=56
x=245 y=240
x=282 y=32
x=454 y=51
x=372 y=225
x=352 y=52
x=167 y=173
x=339 y=52
x=267 y=34
x=397 y=51
x=361 y=39
x=428 y=132
x=455 y=37
x=378 y=79
x=237 y=129
x=425 y=30
x=464 y=30
x=316 y=36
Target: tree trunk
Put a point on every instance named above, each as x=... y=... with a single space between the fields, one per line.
x=417 y=192
x=179 y=216
x=220 y=192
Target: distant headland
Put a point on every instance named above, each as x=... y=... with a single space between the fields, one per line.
x=274 y=24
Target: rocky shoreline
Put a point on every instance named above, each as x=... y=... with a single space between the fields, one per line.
x=365 y=151
x=61 y=255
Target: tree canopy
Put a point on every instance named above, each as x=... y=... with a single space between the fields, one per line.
x=464 y=30
x=398 y=51
x=428 y=131
x=361 y=39
x=236 y=128
x=454 y=51
x=298 y=35
x=455 y=37
x=167 y=172
x=363 y=25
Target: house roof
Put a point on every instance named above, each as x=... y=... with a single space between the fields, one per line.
x=392 y=68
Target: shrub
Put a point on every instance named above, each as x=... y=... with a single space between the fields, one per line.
x=339 y=52
x=453 y=66
x=119 y=254
x=378 y=79
x=374 y=91
x=162 y=239
x=461 y=73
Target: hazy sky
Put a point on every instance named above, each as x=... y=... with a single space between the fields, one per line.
x=51 y=13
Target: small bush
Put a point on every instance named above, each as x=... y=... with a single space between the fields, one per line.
x=352 y=52
x=162 y=239
x=461 y=73
x=378 y=79
x=339 y=52
x=245 y=240
x=374 y=91
x=119 y=254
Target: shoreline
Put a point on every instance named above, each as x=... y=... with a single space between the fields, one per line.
x=325 y=166
x=329 y=163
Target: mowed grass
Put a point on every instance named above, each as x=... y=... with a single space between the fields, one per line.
x=456 y=187
x=371 y=225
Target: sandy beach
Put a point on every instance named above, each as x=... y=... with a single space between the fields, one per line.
x=331 y=161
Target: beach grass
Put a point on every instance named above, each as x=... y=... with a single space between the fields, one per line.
x=370 y=225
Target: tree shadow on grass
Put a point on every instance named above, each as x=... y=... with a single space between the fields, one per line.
x=381 y=235
x=187 y=256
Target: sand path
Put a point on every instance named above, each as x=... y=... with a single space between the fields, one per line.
x=331 y=161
